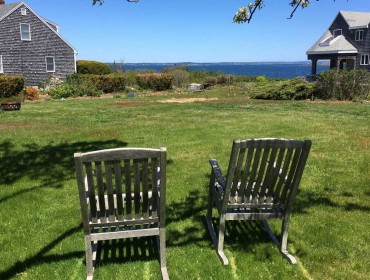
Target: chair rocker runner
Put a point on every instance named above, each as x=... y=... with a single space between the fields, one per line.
x=122 y=195
x=261 y=183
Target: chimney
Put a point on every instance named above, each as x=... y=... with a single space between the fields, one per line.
x=2 y=2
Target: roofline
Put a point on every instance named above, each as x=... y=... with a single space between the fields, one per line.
x=42 y=20
x=331 y=52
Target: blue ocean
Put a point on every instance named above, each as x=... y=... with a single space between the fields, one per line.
x=268 y=69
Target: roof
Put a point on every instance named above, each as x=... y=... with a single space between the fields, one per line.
x=7 y=9
x=329 y=45
x=356 y=19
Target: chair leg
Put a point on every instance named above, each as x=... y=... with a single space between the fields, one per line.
x=220 y=243
x=162 y=253
x=89 y=258
x=284 y=241
x=283 y=245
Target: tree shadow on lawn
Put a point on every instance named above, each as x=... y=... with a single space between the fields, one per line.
x=307 y=199
x=43 y=257
x=51 y=165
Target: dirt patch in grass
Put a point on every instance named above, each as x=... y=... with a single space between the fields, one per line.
x=364 y=142
x=186 y=100
x=16 y=125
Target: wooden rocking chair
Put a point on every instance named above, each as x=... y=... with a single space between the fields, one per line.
x=122 y=195
x=261 y=183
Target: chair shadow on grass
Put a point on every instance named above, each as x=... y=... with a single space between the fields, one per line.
x=126 y=250
x=49 y=165
x=42 y=257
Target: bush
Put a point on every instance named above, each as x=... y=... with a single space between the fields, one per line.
x=180 y=77
x=31 y=93
x=211 y=81
x=10 y=85
x=343 y=84
x=261 y=79
x=294 y=89
x=154 y=81
x=106 y=83
x=92 y=67
x=82 y=88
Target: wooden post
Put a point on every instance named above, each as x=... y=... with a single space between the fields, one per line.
x=313 y=66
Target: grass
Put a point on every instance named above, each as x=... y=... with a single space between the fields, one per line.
x=40 y=224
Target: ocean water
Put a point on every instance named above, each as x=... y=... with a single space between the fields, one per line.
x=270 y=70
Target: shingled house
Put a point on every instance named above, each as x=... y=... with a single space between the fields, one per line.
x=32 y=46
x=346 y=43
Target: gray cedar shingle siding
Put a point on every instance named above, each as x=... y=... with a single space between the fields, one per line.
x=28 y=58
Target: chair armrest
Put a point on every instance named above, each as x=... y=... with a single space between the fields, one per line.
x=220 y=180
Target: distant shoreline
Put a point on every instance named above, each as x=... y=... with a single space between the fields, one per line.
x=225 y=63
x=286 y=70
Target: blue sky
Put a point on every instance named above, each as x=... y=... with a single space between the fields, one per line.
x=190 y=30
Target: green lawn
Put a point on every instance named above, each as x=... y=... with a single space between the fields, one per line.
x=40 y=225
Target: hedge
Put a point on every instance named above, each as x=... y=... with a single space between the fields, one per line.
x=343 y=84
x=106 y=83
x=10 y=85
x=154 y=81
x=92 y=67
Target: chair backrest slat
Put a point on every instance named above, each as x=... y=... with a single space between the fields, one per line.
x=119 y=194
x=101 y=191
x=235 y=185
x=91 y=188
x=145 y=190
x=246 y=183
x=127 y=173
x=154 y=169
x=265 y=172
x=109 y=182
x=137 y=188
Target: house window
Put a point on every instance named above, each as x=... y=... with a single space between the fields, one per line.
x=359 y=35
x=1 y=64
x=25 y=32
x=50 y=64
x=364 y=59
x=337 y=32
x=23 y=12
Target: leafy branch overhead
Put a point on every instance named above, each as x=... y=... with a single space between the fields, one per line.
x=245 y=14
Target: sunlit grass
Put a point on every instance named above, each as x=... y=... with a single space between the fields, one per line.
x=41 y=235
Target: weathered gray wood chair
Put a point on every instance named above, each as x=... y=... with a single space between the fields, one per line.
x=122 y=195
x=261 y=183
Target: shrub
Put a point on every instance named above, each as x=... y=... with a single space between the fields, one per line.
x=180 y=77
x=211 y=81
x=10 y=85
x=261 y=79
x=92 y=67
x=294 y=89
x=31 y=93
x=106 y=83
x=154 y=81
x=82 y=88
x=343 y=84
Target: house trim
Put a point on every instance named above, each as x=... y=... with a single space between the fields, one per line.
x=1 y=65
x=333 y=52
x=29 y=31
x=365 y=58
x=46 y=62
